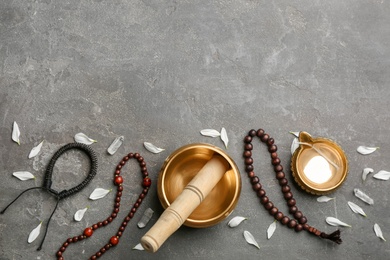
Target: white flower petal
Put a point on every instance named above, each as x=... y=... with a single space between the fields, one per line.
x=152 y=148
x=35 y=150
x=234 y=222
x=356 y=209
x=250 y=239
x=210 y=133
x=366 y=150
x=23 y=175
x=382 y=175
x=366 y=171
x=294 y=145
x=378 y=232
x=324 y=199
x=296 y=134
x=138 y=247
x=16 y=133
x=84 y=139
x=224 y=137
x=98 y=193
x=78 y=216
x=115 y=145
x=336 y=222
x=34 y=233
x=271 y=229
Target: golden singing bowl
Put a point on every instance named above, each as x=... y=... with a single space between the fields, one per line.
x=179 y=169
x=318 y=165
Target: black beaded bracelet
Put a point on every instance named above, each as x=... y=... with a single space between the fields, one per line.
x=299 y=222
x=48 y=179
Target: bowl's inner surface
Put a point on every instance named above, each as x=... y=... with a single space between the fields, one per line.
x=180 y=170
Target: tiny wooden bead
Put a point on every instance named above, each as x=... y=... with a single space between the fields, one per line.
x=117 y=172
x=298 y=215
x=270 y=141
x=60 y=258
x=118 y=199
x=292 y=223
x=252 y=132
x=59 y=253
x=248 y=139
x=248 y=161
x=306 y=226
x=136 y=155
x=119 y=234
x=75 y=239
x=119 y=167
x=260 y=132
x=113 y=215
x=93 y=257
x=105 y=222
x=109 y=219
x=140 y=159
x=144 y=170
x=298 y=228
x=302 y=220
x=273 y=148
x=278 y=168
x=280 y=175
x=264 y=200
x=133 y=210
x=142 y=196
x=255 y=179
x=127 y=219
x=247 y=154
x=66 y=244
x=291 y=202
x=122 y=163
x=261 y=193
x=120 y=188
x=139 y=201
x=293 y=209
x=275 y=161
x=283 y=182
x=107 y=246
x=130 y=155
x=69 y=240
x=131 y=215
x=264 y=138
x=95 y=226
x=102 y=250
x=62 y=249
x=117 y=205
x=126 y=158
x=288 y=195
x=268 y=205
x=116 y=210
x=273 y=211
x=251 y=174
x=249 y=168
x=98 y=254
x=248 y=147
x=279 y=216
x=122 y=229
x=124 y=224
x=119 y=194
x=136 y=205
x=142 y=164
x=256 y=186
x=285 y=220
x=274 y=155
x=81 y=237
x=100 y=224
x=286 y=188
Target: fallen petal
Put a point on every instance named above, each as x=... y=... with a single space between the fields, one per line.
x=366 y=171
x=250 y=239
x=234 y=222
x=224 y=137
x=152 y=148
x=366 y=150
x=356 y=209
x=35 y=150
x=210 y=133
x=138 y=247
x=382 y=175
x=16 y=133
x=378 y=232
x=294 y=145
x=336 y=222
x=98 y=193
x=78 y=216
x=34 y=233
x=296 y=134
x=84 y=139
x=23 y=176
x=271 y=229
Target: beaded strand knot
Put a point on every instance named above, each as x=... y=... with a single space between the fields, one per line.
x=299 y=222
x=118 y=181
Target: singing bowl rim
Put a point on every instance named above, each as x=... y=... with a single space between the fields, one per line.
x=200 y=223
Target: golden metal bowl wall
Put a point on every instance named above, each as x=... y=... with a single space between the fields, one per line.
x=179 y=169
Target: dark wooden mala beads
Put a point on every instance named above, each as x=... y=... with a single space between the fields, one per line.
x=299 y=222
x=118 y=180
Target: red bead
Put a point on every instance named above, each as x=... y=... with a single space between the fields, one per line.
x=95 y=226
x=147 y=182
x=298 y=228
x=256 y=186
x=292 y=223
x=302 y=220
x=118 y=180
x=247 y=154
x=273 y=148
x=59 y=253
x=285 y=220
x=88 y=232
x=114 y=240
x=248 y=161
x=252 y=133
x=122 y=163
x=248 y=147
x=248 y=139
x=260 y=132
x=279 y=216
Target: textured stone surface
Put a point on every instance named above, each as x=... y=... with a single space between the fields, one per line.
x=160 y=71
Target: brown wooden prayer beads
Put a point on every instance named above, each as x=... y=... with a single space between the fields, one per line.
x=299 y=222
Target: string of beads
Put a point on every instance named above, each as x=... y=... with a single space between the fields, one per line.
x=299 y=222
x=118 y=181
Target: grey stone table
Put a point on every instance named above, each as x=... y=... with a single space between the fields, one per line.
x=160 y=71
